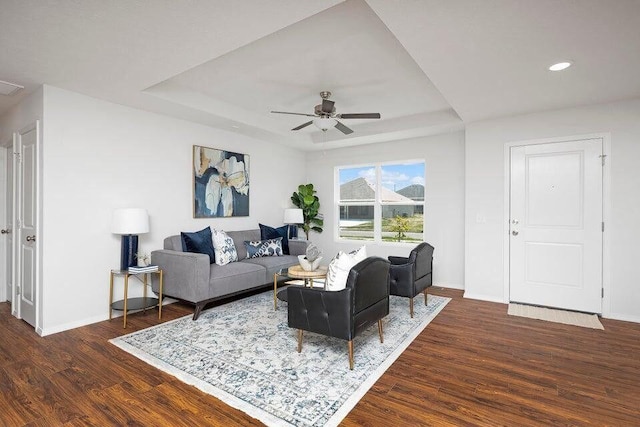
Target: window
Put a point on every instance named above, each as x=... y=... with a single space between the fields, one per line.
x=381 y=202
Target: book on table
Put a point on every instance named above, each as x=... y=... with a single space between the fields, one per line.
x=146 y=269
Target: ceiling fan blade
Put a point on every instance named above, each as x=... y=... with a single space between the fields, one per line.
x=359 y=116
x=327 y=106
x=304 y=125
x=342 y=128
x=295 y=114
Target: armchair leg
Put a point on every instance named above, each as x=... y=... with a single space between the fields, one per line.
x=299 y=340
x=411 y=307
x=380 y=330
x=425 y=297
x=350 y=343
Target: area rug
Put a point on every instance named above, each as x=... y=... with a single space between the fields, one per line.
x=244 y=354
x=553 y=315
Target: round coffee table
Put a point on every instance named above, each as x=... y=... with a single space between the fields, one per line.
x=296 y=272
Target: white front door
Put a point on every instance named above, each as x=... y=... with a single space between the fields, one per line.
x=26 y=216
x=555 y=250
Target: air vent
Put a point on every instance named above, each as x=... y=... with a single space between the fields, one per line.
x=9 y=89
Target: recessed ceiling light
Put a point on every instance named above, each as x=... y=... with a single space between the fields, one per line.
x=7 y=88
x=235 y=126
x=560 y=66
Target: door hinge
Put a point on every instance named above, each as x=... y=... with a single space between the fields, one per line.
x=602 y=157
x=602 y=292
x=603 y=226
x=18 y=291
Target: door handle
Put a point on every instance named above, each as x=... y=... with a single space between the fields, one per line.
x=5 y=231
x=514 y=232
x=31 y=238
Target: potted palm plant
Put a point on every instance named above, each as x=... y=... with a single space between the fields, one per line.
x=305 y=198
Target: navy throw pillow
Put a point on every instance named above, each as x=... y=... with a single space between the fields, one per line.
x=199 y=242
x=267 y=232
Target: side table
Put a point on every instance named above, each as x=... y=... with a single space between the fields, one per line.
x=127 y=303
x=297 y=272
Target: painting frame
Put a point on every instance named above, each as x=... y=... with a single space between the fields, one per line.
x=220 y=183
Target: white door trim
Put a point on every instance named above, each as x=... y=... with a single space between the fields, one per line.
x=3 y=221
x=606 y=208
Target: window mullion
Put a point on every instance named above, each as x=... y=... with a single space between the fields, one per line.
x=377 y=208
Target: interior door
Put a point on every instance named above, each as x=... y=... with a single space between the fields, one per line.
x=6 y=239
x=555 y=251
x=26 y=224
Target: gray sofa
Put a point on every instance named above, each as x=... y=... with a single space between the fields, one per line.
x=189 y=276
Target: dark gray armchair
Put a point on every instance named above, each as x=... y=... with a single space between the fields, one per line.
x=412 y=275
x=343 y=314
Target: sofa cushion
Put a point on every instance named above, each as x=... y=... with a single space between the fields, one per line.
x=260 y=248
x=239 y=237
x=234 y=277
x=198 y=242
x=224 y=248
x=267 y=232
x=273 y=264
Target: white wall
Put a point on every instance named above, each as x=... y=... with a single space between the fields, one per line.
x=444 y=198
x=484 y=201
x=100 y=156
x=25 y=113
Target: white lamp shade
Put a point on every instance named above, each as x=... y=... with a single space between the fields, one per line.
x=293 y=216
x=130 y=221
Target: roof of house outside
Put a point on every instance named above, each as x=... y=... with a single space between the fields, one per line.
x=414 y=192
x=360 y=189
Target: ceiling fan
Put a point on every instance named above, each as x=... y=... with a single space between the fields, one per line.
x=326 y=116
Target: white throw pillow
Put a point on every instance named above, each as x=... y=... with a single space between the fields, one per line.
x=339 y=267
x=223 y=247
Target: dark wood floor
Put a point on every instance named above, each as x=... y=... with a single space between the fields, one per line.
x=473 y=365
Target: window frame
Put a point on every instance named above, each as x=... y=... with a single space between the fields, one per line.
x=377 y=201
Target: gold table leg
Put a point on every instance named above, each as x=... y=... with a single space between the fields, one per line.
x=144 y=292
x=275 y=288
x=126 y=290
x=160 y=298
x=110 y=293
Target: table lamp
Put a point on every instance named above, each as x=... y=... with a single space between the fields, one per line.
x=293 y=216
x=129 y=222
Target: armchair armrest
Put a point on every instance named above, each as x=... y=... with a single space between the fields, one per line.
x=397 y=260
x=324 y=312
x=401 y=279
x=298 y=247
x=185 y=274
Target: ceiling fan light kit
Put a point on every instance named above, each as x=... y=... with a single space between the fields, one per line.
x=326 y=117
x=324 y=123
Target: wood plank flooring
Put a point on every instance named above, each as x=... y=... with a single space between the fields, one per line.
x=473 y=365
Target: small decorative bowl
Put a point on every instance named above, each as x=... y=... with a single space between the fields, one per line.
x=308 y=266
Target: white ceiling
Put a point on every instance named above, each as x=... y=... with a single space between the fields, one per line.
x=428 y=66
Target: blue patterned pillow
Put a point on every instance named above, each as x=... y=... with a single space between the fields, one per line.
x=267 y=232
x=260 y=248
x=224 y=248
x=198 y=242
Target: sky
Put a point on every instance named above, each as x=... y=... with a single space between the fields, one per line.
x=394 y=176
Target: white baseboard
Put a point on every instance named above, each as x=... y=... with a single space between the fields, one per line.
x=449 y=286
x=623 y=317
x=481 y=297
x=88 y=321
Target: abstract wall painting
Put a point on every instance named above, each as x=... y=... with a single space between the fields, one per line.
x=220 y=183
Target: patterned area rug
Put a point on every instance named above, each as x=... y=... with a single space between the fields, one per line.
x=553 y=315
x=245 y=354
